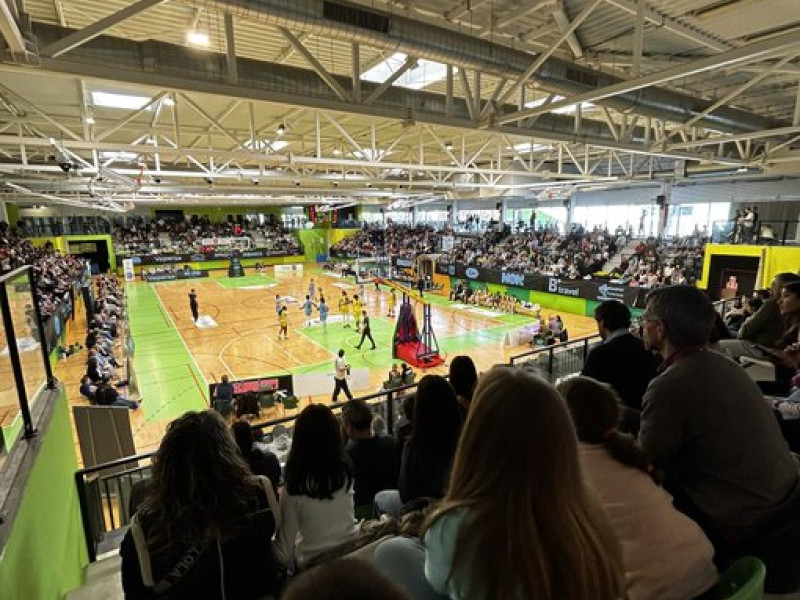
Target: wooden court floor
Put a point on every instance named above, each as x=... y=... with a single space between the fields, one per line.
x=175 y=360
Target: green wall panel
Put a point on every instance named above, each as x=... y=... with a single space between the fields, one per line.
x=46 y=552
x=315 y=241
x=575 y=306
x=493 y=288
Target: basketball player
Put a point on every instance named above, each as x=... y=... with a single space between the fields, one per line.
x=392 y=303
x=312 y=288
x=307 y=308
x=283 y=321
x=277 y=304
x=366 y=332
x=193 y=305
x=323 y=314
x=344 y=308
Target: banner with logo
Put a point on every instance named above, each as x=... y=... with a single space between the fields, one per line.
x=144 y=260
x=403 y=263
x=127 y=269
x=175 y=275
x=589 y=289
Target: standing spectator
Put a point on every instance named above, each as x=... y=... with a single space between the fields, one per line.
x=317 y=504
x=706 y=425
x=204 y=509
x=223 y=396
x=665 y=554
x=376 y=458
x=496 y=535
x=621 y=361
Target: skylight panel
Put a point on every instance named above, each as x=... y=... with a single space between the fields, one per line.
x=126 y=101
x=424 y=74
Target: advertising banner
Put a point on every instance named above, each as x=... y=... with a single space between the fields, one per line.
x=175 y=275
x=589 y=289
x=167 y=259
x=127 y=269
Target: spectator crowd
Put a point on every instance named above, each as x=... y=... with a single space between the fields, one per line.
x=647 y=476
x=140 y=236
x=54 y=273
x=394 y=240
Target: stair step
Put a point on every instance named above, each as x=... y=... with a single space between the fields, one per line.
x=103 y=580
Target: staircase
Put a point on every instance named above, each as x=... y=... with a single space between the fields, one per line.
x=616 y=260
x=103 y=580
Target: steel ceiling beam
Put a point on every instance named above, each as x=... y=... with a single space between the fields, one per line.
x=75 y=39
x=746 y=54
x=9 y=29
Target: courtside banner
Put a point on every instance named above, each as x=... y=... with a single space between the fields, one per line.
x=257 y=385
x=588 y=289
x=143 y=260
x=175 y=275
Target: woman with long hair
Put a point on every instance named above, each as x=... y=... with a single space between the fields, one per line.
x=428 y=452
x=316 y=506
x=203 y=529
x=666 y=555
x=517 y=521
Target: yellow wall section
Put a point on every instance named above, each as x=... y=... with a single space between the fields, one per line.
x=775 y=259
x=337 y=235
x=780 y=259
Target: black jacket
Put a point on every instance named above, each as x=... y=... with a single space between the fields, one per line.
x=625 y=365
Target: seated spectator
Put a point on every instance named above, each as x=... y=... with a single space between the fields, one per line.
x=665 y=554
x=375 y=458
x=496 y=535
x=621 y=361
x=428 y=453
x=343 y=579
x=395 y=378
x=107 y=395
x=405 y=423
x=203 y=508
x=766 y=329
x=260 y=460
x=705 y=424
x=88 y=389
x=317 y=504
x=223 y=396
x=463 y=377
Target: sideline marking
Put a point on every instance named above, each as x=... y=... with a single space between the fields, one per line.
x=164 y=310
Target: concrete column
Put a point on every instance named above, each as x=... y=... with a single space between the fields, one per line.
x=4 y=213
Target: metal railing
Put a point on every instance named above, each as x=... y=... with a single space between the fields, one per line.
x=104 y=490
x=559 y=360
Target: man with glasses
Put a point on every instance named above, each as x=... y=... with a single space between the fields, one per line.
x=621 y=361
x=705 y=423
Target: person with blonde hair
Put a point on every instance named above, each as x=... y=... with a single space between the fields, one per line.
x=517 y=521
x=665 y=554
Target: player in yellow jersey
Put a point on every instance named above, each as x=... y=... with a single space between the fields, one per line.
x=357 y=307
x=344 y=308
x=283 y=321
x=392 y=303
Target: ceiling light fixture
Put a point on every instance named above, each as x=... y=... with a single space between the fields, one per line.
x=281 y=129
x=195 y=37
x=89 y=120
x=448 y=146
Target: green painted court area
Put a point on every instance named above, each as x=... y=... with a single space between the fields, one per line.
x=337 y=336
x=231 y=283
x=169 y=381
